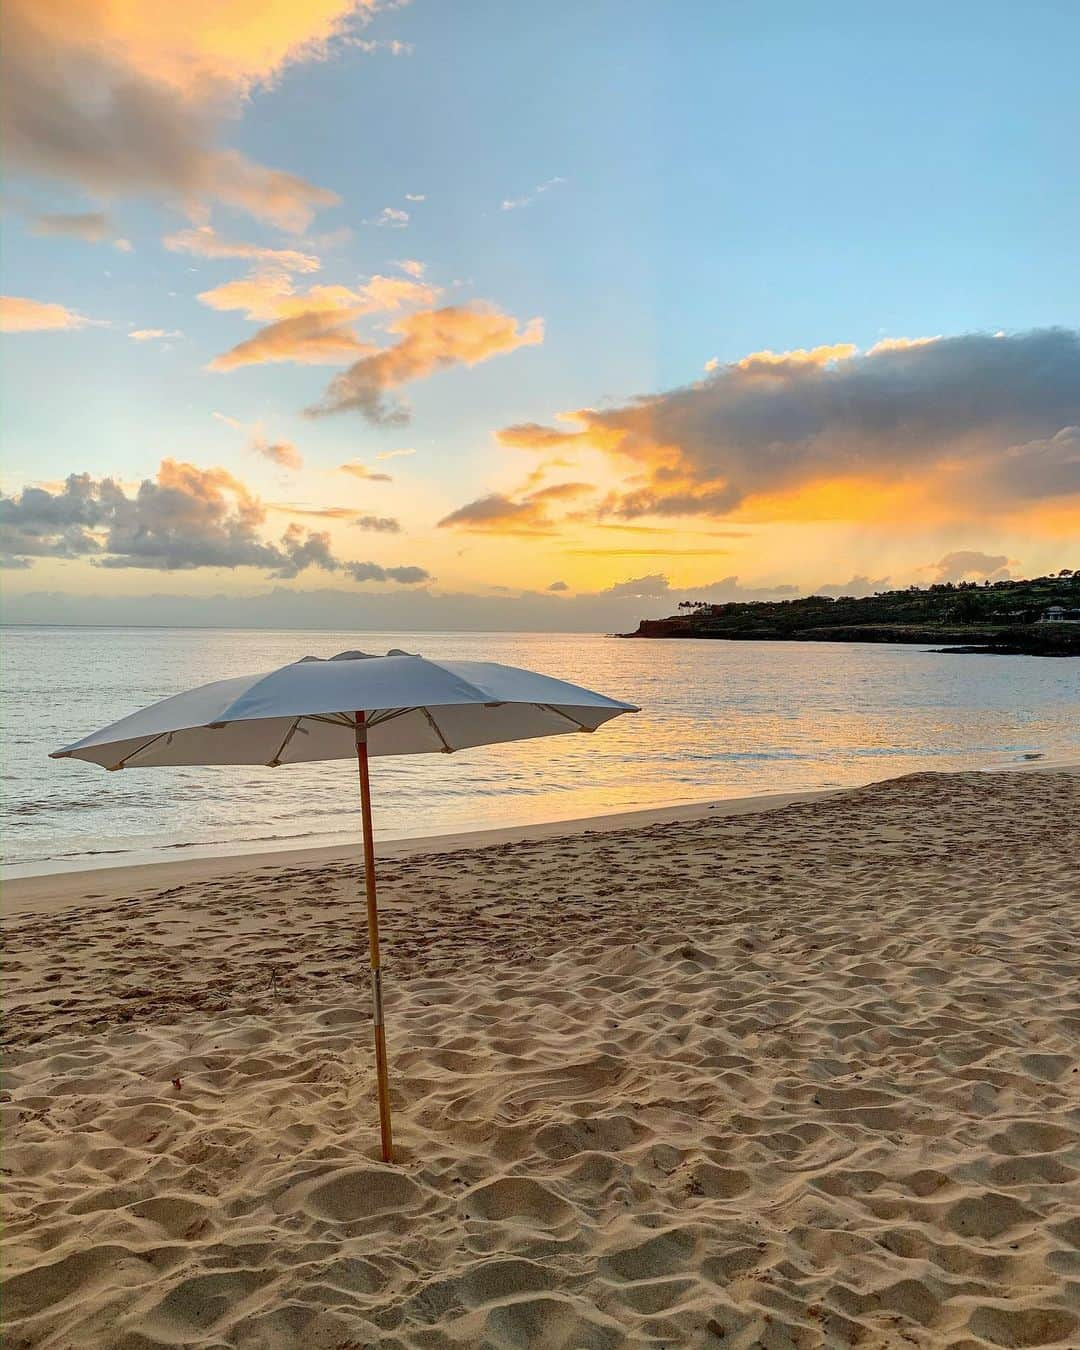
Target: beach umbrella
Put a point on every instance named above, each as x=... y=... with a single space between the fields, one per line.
x=352 y=704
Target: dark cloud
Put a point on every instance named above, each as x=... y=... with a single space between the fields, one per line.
x=186 y=518
x=369 y=571
x=1043 y=468
x=558 y=586
x=378 y=524
x=92 y=227
x=41 y=524
x=964 y=564
x=989 y=408
x=858 y=587
x=656 y=586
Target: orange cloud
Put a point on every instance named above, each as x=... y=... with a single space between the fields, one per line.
x=498 y=513
x=533 y=436
x=282 y=453
x=358 y=469
x=801 y=356
x=270 y=295
x=19 y=315
x=431 y=340
x=127 y=96
x=900 y=344
x=317 y=338
x=204 y=242
x=320 y=512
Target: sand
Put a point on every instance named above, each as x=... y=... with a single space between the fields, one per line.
x=802 y=1077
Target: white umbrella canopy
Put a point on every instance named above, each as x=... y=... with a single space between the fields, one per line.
x=352 y=704
x=307 y=711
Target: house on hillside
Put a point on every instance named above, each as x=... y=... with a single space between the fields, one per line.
x=1059 y=614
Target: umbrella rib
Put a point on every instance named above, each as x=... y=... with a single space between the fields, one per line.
x=387 y=715
x=276 y=761
x=448 y=749
x=120 y=763
x=559 y=713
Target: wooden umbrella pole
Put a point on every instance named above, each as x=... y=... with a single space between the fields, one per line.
x=373 y=941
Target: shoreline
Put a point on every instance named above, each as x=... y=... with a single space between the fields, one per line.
x=46 y=892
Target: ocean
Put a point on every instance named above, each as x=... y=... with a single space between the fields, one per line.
x=718 y=719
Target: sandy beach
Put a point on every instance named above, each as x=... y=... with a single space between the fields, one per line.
x=795 y=1074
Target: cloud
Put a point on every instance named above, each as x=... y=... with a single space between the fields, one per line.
x=970 y=413
x=391 y=217
x=429 y=341
x=154 y=334
x=801 y=358
x=378 y=524
x=1037 y=469
x=516 y=203
x=19 y=315
x=319 y=512
x=499 y=514
x=652 y=586
x=229 y=421
x=369 y=571
x=186 y=518
x=359 y=469
x=282 y=453
x=558 y=586
x=420 y=609
x=204 y=242
x=667 y=552
x=42 y=523
x=312 y=326
x=963 y=564
x=317 y=338
x=271 y=295
x=656 y=586
x=533 y=436
x=394 y=454
x=412 y=266
x=391 y=45
x=129 y=99
x=858 y=587
x=92 y=227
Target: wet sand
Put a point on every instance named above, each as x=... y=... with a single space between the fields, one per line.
x=804 y=1076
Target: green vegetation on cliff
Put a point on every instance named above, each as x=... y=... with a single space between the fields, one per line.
x=1041 y=616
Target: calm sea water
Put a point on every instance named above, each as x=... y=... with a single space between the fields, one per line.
x=719 y=719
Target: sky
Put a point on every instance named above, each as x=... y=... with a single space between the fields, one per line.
x=417 y=315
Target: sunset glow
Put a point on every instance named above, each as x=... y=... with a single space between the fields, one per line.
x=323 y=323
